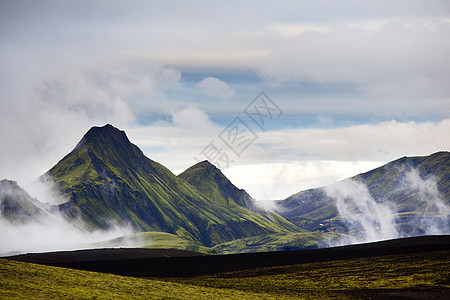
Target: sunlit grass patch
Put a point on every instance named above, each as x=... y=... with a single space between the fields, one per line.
x=20 y=280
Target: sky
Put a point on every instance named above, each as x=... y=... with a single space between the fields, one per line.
x=282 y=96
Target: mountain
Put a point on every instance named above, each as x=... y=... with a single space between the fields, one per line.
x=216 y=187
x=212 y=183
x=275 y=242
x=417 y=189
x=154 y=240
x=17 y=206
x=109 y=181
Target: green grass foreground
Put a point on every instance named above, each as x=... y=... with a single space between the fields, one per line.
x=20 y=280
x=427 y=274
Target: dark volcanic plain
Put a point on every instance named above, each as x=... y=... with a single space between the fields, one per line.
x=409 y=268
x=176 y=263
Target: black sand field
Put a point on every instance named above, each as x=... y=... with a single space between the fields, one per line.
x=176 y=263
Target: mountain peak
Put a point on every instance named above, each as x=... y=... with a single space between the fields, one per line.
x=6 y=183
x=210 y=181
x=108 y=139
x=105 y=132
x=110 y=181
x=206 y=165
x=100 y=154
x=204 y=170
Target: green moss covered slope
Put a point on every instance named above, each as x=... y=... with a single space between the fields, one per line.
x=408 y=183
x=109 y=181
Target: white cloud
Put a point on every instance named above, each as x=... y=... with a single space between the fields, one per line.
x=45 y=123
x=215 y=87
x=107 y=89
x=277 y=181
x=401 y=57
x=191 y=117
x=287 y=30
x=282 y=162
x=100 y=65
x=176 y=143
x=379 y=142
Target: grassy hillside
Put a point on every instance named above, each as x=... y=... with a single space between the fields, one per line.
x=407 y=183
x=274 y=242
x=421 y=275
x=394 y=180
x=155 y=240
x=211 y=182
x=216 y=187
x=260 y=243
x=29 y=281
x=109 y=181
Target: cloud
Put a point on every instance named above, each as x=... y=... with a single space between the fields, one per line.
x=51 y=234
x=378 y=142
x=62 y=103
x=109 y=89
x=215 y=87
x=175 y=142
x=66 y=67
x=49 y=230
x=190 y=117
x=401 y=57
x=282 y=162
x=279 y=180
x=368 y=220
x=287 y=30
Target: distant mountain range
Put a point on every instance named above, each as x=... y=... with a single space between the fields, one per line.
x=415 y=190
x=107 y=181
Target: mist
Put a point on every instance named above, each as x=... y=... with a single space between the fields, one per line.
x=370 y=219
x=433 y=213
x=55 y=234
x=47 y=229
x=367 y=219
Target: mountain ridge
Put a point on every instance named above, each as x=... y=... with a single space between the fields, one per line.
x=17 y=206
x=109 y=180
x=410 y=184
x=209 y=180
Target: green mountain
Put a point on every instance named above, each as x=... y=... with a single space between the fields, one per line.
x=216 y=187
x=275 y=242
x=414 y=186
x=211 y=182
x=17 y=206
x=109 y=181
x=154 y=240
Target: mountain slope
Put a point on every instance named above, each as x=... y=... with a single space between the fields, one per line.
x=110 y=181
x=412 y=186
x=211 y=182
x=154 y=240
x=17 y=206
x=216 y=187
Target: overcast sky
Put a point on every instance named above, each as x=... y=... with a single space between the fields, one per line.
x=351 y=84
